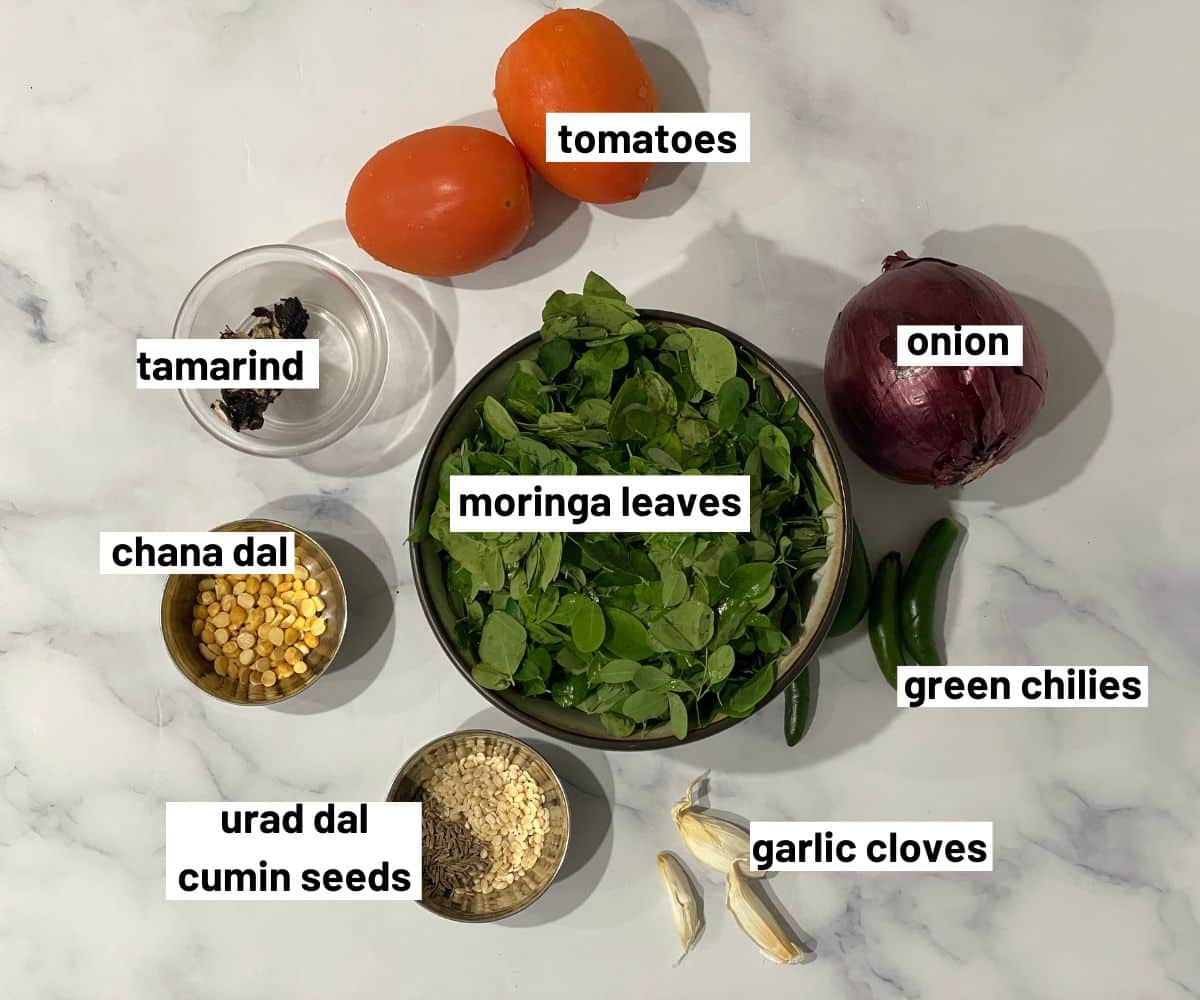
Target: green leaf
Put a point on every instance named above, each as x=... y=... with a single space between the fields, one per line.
x=536 y=665
x=570 y=691
x=679 y=718
x=752 y=691
x=663 y=460
x=641 y=706
x=550 y=547
x=593 y=284
x=776 y=451
x=503 y=643
x=648 y=678
x=555 y=357
x=750 y=581
x=821 y=492
x=616 y=725
x=720 y=664
x=587 y=627
x=732 y=398
x=626 y=635
x=712 y=358
x=498 y=419
x=491 y=677
x=619 y=671
x=674 y=586
x=686 y=627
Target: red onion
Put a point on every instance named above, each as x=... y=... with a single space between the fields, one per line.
x=938 y=425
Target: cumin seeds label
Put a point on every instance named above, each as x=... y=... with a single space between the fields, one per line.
x=293 y=850
x=600 y=503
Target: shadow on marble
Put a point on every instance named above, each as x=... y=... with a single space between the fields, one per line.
x=1066 y=300
x=560 y=227
x=587 y=779
x=348 y=536
x=679 y=68
x=420 y=377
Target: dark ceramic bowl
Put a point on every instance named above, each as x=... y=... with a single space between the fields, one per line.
x=570 y=724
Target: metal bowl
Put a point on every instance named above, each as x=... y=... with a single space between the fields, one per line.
x=179 y=596
x=567 y=723
x=406 y=787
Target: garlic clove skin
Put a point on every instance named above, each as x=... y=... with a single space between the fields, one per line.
x=713 y=841
x=757 y=921
x=685 y=906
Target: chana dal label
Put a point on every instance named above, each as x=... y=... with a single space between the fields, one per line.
x=293 y=850
x=197 y=552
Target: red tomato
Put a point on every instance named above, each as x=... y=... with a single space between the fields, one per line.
x=574 y=61
x=441 y=202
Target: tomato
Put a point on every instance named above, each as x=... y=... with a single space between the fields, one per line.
x=574 y=61
x=441 y=202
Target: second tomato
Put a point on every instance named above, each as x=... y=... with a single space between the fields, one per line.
x=574 y=61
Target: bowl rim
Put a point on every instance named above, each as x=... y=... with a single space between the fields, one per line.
x=562 y=794
x=816 y=638
x=309 y=541
x=375 y=319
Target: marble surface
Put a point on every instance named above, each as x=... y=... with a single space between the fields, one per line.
x=1048 y=144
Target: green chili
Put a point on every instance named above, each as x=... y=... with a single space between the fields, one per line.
x=883 y=623
x=918 y=593
x=858 y=590
x=795 y=708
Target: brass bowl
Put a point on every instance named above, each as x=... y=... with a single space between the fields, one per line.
x=455 y=746
x=179 y=597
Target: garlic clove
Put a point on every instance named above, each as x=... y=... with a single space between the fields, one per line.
x=713 y=841
x=685 y=906
x=757 y=921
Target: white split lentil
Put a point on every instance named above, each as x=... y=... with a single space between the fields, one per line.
x=503 y=807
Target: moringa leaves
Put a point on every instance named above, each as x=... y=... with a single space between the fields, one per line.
x=658 y=631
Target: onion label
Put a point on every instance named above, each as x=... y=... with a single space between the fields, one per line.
x=982 y=346
x=648 y=137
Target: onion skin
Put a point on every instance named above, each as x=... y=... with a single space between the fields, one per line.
x=939 y=426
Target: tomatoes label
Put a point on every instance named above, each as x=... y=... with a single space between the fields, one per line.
x=647 y=138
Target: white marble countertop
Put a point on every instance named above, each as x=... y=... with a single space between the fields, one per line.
x=1051 y=145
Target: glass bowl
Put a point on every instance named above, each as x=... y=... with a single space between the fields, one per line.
x=343 y=315
x=407 y=786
